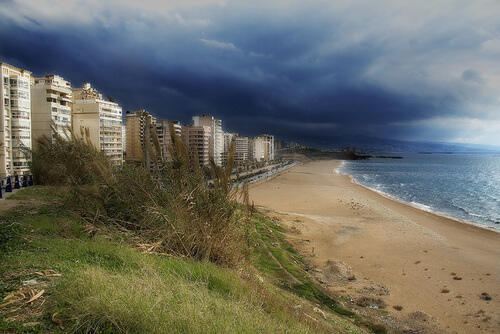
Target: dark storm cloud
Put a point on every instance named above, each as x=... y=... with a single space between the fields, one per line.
x=309 y=73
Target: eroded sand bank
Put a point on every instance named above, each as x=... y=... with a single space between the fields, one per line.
x=364 y=244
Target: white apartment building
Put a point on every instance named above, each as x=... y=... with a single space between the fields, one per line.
x=51 y=100
x=262 y=148
x=216 y=138
x=102 y=118
x=197 y=139
x=164 y=137
x=258 y=148
x=269 y=148
x=124 y=140
x=15 y=119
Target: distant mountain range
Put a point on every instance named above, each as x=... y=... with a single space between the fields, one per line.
x=373 y=145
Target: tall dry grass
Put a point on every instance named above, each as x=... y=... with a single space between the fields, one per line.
x=169 y=205
x=67 y=159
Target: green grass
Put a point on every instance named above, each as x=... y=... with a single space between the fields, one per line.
x=44 y=193
x=108 y=286
x=283 y=262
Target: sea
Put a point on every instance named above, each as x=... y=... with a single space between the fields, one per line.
x=461 y=186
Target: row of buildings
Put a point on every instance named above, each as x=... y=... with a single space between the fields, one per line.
x=204 y=136
x=29 y=105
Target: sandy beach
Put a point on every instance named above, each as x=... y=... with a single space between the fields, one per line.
x=364 y=245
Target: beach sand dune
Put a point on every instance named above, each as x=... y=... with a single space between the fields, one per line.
x=424 y=269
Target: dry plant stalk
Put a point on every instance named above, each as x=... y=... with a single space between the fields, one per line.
x=169 y=203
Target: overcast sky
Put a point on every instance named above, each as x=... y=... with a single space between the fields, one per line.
x=302 y=70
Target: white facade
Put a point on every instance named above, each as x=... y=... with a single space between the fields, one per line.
x=124 y=139
x=101 y=118
x=15 y=119
x=258 y=148
x=217 y=136
x=262 y=148
x=269 y=146
x=51 y=100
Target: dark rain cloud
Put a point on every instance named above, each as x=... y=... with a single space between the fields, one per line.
x=302 y=73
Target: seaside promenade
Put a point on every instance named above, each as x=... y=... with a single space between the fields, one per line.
x=424 y=269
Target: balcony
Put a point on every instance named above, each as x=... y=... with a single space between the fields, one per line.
x=65 y=99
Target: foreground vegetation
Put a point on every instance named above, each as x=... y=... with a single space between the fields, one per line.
x=101 y=279
x=152 y=248
x=167 y=203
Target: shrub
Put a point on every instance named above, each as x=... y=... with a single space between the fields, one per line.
x=59 y=160
x=170 y=205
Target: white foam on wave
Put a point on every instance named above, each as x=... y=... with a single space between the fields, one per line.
x=338 y=170
x=421 y=206
x=481 y=216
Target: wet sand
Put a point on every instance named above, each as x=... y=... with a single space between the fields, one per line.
x=366 y=245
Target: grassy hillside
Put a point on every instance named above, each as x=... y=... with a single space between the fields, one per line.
x=61 y=274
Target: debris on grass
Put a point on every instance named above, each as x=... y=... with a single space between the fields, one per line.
x=317 y=310
x=31 y=282
x=47 y=273
x=31 y=324
x=36 y=296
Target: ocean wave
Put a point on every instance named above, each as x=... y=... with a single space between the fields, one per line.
x=421 y=206
x=340 y=169
x=466 y=216
x=462 y=209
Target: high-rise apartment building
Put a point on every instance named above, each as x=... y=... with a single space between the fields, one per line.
x=101 y=118
x=262 y=148
x=216 y=135
x=197 y=139
x=164 y=137
x=140 y=125
x=257 y=148
x=269 y=147
x=241 y=150
x=124 y=140
x=15 y=119
x=51 y=100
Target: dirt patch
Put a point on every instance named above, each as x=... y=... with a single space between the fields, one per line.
x=335 y=271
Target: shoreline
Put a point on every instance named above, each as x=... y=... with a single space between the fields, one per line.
x=417 y=207
x=362 y=244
